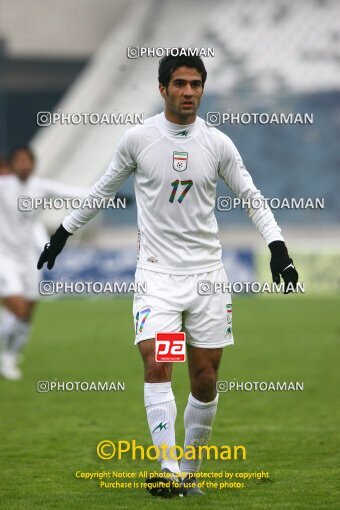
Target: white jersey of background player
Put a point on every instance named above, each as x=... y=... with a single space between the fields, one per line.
x=22 y=235
x=176 y=160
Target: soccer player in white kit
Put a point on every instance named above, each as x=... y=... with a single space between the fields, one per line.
x=176 y=160
x=22 y=236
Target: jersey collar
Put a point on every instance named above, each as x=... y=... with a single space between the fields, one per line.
x=177 y=131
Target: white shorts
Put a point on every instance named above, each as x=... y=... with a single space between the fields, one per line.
x=19 y=278
x=172 y=303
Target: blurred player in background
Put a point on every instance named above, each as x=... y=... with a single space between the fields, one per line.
x=176 y=160
x=21 y=237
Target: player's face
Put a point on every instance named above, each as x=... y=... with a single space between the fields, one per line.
x=183 y=95
x=22 y=165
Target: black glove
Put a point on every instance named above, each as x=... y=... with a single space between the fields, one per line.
x=282 y=264
x=53 y=248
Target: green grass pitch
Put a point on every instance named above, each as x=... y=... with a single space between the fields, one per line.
x=47 y=437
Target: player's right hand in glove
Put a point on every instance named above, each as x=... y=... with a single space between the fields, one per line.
x=53 y=248
x=282 y=264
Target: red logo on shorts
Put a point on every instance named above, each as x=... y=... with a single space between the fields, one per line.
x=170 y=347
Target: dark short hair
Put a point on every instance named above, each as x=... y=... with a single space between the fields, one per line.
x=169 y=64
x=21 y=148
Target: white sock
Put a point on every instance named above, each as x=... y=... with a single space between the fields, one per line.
x=198 y=420
x=161 y=413
x=8 y=326
x=19 y=337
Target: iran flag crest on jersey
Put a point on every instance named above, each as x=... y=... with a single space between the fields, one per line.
x=180 y=161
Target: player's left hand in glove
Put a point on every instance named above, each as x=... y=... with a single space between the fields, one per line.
x=53 y=248
x=282 y=264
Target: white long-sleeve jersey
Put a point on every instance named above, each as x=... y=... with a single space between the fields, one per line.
x=21 y=231
x=176 y=169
